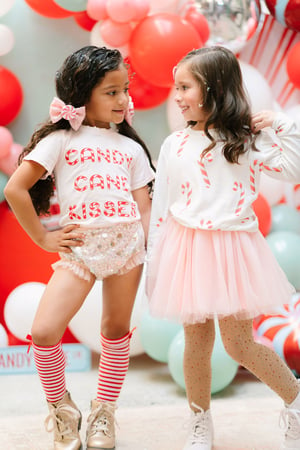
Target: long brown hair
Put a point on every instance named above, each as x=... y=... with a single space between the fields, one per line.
x=224 y=99
x=75 y=81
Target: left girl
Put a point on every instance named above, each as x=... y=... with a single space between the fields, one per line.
x=102 y=173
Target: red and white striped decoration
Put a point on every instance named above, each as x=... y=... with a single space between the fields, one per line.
x=267 y=52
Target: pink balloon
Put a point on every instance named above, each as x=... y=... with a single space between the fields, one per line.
x=96 y=9
x=6 y=141
x=122 y=11
x=9 y=164
x=115 y=34
x=142 y=9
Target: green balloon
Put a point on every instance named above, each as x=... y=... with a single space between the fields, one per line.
x=72 y=5
x=285 y=218
x=156 y=336
x=3 y=181
x=285 y=246
x=224 y=368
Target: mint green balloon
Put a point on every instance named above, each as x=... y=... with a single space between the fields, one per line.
x=3 y=181
x=224 y=368
x=285 y=218
x=285 y=246
x=72 y=5
x=156 y=336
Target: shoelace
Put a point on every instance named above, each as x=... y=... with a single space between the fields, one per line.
x=200 y=427
x=99 y=419
x=290 y=420
x=62 y=426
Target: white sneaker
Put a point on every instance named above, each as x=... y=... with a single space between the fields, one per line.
x=290 y=417
x=201 y=431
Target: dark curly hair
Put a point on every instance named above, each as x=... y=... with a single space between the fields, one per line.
x=224 y=99
x=75 y=81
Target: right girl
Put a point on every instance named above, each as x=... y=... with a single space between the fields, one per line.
x=207 y=258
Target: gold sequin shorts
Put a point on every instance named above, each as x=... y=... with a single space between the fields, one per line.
x=106 y=251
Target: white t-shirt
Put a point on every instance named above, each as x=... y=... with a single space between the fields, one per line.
x=212 y=193
x=96 y=170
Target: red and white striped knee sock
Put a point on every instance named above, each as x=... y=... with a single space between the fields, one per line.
x=113 y=365
x=50 y=363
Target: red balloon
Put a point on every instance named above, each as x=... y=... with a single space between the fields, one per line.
x=21 y=261
x=263 y=211
x=199 y=21
x=157 y=44
x=289 y=11
x=84 y=20
x=293 y=66
x=144 y=94
x=49 y=8
x=11 y=95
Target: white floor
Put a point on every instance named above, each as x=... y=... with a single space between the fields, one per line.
x=152 y=411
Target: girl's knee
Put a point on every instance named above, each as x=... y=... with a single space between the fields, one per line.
x=44 y=336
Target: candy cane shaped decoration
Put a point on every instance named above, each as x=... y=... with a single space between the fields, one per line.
x=202 y=161
x=238 y=187
x=187 y=190
x=182 y=144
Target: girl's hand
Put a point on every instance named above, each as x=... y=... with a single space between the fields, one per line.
x=262 y=119
x=61 y=240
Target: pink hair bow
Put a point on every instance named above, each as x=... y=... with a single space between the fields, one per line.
x=59 y=110
x=129 y=111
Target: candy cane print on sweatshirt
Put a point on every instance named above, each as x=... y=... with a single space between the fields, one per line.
x=206 y=224
x=202 y=162
x=188 y=191
x=182 y=144
x=238 y=187
x=252 y=175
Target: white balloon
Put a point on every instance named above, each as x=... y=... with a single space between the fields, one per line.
x=7 y=39
x=20 y=308
x=97 y=40
x=3 y=337
x=5 y=6
x=257 y=87
x=294 y=113
x=140 y=306
x=158 y=6
x=85 y=325
x=272 y=190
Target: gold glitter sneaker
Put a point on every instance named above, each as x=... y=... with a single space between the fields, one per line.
x=100 y=433
x=66 y=422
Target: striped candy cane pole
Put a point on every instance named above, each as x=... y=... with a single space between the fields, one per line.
x=187 y=190
x=202 y=161
x=182 y=144
x=238 y=187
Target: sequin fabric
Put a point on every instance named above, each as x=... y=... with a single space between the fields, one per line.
x=106 y=251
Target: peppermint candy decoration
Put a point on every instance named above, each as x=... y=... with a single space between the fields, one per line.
x=283 y=330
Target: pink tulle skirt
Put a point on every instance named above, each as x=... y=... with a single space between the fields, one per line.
x=194 y=275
